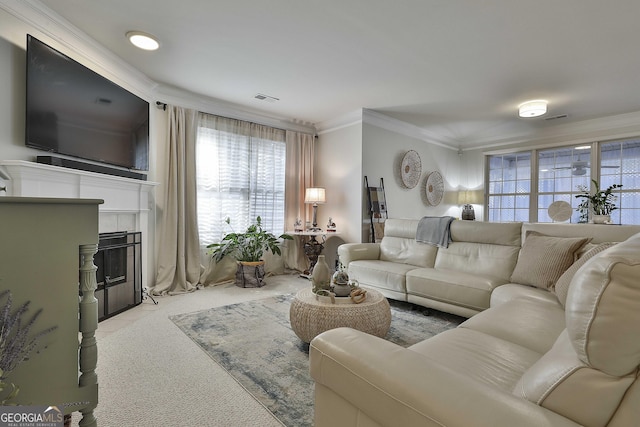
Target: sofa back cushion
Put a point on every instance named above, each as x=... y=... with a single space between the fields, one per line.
x=399 y=244
x=561 y=288
x=596 y=232
x=603 y=309
x=483 y=248
x=494 y=233
x=481 y=259
x=543 y=259
x=587 y=373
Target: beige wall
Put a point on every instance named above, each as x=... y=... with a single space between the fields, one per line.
x=339 y=170
x=383 y=151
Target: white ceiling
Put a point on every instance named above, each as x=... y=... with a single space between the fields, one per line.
x=454 y=68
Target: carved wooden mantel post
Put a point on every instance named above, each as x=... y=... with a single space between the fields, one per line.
x=88 y=326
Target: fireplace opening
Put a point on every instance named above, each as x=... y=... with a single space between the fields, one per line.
x=119 y=274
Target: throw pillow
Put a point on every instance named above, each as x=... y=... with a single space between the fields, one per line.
x=561 y=288
x=543 y=259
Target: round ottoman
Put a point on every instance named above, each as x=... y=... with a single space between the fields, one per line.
x=310 y=316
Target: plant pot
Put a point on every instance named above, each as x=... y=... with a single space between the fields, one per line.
x=250 y=274
x=602 y=219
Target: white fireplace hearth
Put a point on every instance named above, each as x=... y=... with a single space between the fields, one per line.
x=128 y=203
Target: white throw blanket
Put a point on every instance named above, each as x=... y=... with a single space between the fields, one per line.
x=434 y=230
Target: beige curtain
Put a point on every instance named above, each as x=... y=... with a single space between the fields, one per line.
x=179 y=251
x=299 y=176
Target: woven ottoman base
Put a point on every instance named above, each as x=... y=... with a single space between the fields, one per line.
x=310 y=317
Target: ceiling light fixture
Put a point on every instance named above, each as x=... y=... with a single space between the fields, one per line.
x=143 y=40
x=534 y=108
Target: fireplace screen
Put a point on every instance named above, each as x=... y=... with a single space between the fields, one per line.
x=119 y=274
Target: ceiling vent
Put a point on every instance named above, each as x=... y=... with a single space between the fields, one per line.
x=559 y=116
x=267 y=98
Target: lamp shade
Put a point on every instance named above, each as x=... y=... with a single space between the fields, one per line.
x=315 y=195
x=533 y=108
x=470 y=197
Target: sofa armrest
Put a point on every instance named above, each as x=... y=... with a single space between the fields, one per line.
x=394 y=386
x=354 y=251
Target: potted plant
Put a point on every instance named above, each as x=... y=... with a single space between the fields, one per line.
x=600 y=203
x=16 y=344
x=247 y=249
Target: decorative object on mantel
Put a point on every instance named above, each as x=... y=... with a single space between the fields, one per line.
x=597 y=205
x=434 y=188
x=297 y=226
x=559 y=211
x=411 y=169
x=247 y=248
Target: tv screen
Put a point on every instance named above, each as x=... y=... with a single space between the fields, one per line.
x=74 y=111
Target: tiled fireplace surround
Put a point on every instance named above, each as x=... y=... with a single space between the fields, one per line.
x=127 y=202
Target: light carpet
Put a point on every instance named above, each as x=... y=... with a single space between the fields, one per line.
x=253 y=341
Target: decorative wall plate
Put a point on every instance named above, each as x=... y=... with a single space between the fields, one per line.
x=560 y=210
x=434 y=188
x=411 y=169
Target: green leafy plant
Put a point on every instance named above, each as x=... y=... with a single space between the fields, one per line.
x=248 y=246
x=601 y=202
x=16 y=344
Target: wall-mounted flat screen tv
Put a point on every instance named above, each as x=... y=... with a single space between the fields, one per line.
x=74 y=111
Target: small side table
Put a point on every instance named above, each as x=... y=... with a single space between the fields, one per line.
x=310 y=317
x=312 y=247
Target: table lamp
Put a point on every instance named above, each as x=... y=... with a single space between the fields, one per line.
x=315 y=195
x=468 y=198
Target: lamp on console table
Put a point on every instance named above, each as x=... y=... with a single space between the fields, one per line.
x=315 y=195
x=468 y=198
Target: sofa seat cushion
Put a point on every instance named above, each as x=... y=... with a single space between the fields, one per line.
x=530 y=322
x=451 y=286
x=381 y=274
x=510 y=291
x=478 y=356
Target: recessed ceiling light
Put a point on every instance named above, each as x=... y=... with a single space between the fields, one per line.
x=535 y=108
x=143 y=40
x=582 y=147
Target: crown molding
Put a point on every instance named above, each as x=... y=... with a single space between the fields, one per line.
x=176 y=96
x=79 y=44
x=394 y=125
x=603 y=128
x=72 y=39
x=340 y=122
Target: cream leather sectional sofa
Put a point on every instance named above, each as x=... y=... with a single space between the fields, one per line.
x=530 y=359
x=461 y=278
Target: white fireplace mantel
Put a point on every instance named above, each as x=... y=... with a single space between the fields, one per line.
x=128 y=203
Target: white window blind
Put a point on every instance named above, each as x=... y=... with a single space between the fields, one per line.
x=240 y=174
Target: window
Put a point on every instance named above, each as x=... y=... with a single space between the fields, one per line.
x=240 y=173
x=559 y=172
x=620 y=164
x=509 y=187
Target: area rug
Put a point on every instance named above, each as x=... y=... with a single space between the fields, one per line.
x=253 y=341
